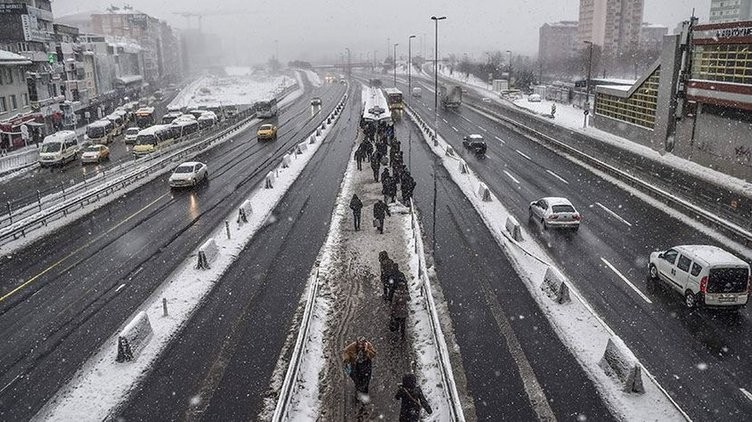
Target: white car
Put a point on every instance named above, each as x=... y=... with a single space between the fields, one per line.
x=131 y=134
x=705 y=275
x=555 y=212
x=534 y=98
x=188 y=174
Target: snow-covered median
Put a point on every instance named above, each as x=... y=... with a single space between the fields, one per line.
x=102 y=383
x=576 y=323
x=216 y=91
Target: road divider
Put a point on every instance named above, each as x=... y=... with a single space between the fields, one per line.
x=98 y=387
x=513 y=228
x=133 y=338
x=483 y=193
x=207 y=253
x=244 y=211
x=619 y=361
x=463 y=167
x=576 y=323
x=449 y=151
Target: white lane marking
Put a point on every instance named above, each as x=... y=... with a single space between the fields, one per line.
x=445 y=120
x=455 y=129
x=746 y=393
x=511 y=177
x=523 y=154
x=629 y=283
x=499 y=139
x=557 y=176
x=615 y=215
x=120 y=288
x=482 y=128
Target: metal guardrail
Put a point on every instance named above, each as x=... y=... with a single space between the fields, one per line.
x=447 y=375
x=678 y=203
x=18 y=161
x=291 y=376
x=158 y=160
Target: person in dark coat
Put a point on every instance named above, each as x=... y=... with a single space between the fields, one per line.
x=376 y=165
x=385 y=181
x=368 y=148
x=399 y=308
x=355 y=206
x=358 y=357
x=380 y=211
x=391 y=189
x=408 y=185
x=359 y=157
x=387 y=265
x=396 y=280
x=412 y=398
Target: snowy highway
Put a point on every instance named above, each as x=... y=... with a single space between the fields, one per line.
x=698 y=356
x=84 y=280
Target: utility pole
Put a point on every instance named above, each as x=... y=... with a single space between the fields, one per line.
x=435 y=121
x=587 y=84
x=409 y=65
x=394 y=63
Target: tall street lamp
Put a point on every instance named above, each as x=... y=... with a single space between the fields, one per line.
x=394 y=63
x=587 y=86
x=348 y=72
x=509 y=75
x=435 y=119
x=409 y=64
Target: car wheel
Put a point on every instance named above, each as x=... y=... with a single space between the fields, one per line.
x=653 y=272
x=690 y=300
x=193 y=182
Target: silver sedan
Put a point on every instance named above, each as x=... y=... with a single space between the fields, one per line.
x=555 y=212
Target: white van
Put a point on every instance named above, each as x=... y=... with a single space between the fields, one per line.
x=705 y=275
x=417 y=92
x=100 y=132
x=58 y=148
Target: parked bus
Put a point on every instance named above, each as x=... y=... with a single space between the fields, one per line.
x=100 y=132
x=145 y=117
x=170 y=117
x=266 y=109
x=153 y=139
x=184 y=127
x=394 y=98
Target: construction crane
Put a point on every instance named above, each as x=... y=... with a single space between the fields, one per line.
x=200 y=15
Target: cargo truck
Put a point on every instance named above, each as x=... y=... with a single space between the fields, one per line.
x=451 y=96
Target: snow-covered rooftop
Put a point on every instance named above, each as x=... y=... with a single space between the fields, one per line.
x=9 y=58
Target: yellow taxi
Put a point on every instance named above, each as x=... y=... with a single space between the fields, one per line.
x=267 y=132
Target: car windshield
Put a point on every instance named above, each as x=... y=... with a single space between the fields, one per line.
x=51 y=147
x=562 y=208
x=184 y=169
x=486 y=196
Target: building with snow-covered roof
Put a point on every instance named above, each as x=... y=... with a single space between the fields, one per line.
x=695 y=101
x=730 y=11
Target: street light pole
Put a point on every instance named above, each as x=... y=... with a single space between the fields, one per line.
x=348 y=72
x=587 y=86
x=394 y=63
x=409 y=65
x=509 y=75
x=435 y=121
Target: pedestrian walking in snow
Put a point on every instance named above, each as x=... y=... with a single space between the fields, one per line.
x=387 y=265
x=368 y=148
x=397 y=278
x=399 y=309
x=407 y=186
x=391 y=189
x=356 y=205
x=385 y=181
x=413 y=400
x=376 y=165
x=380 y=211
x=359 y=157
x=358 y=359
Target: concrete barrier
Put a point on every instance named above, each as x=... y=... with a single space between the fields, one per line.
x=483 y=192
x=555 y=286
x=286 y=160
x=618 y=360
x=207 y=253
x=302 y=147
x=133 y=338
x=514 y=229
x=323 y=125
x=318 y=132
x=269 y=180
x=449 y=151
x=312 y=140
x=463 y=167
x=245 y=210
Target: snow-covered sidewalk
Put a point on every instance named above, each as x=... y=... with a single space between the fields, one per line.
x=350 y=305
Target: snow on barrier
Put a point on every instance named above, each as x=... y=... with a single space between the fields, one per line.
x=463 y=167
x=513 y=227
x=312 y=139
x=618 y=360
x=286 y=161
x=269 y=180
x=449 y=151
x=133 y=338
x=207 y=253
x=245 y=210
x=555 y=286
x=302 y=147
x=18 y=160
x=483 y=193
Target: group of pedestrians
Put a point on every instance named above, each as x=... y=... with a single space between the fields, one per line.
x=380 y=148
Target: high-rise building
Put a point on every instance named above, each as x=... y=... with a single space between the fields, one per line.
x=614 y=25
x=557 y=41
x=730 y=10
x=651 y=36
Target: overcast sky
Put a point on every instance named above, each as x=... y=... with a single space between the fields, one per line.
x=312 y=29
